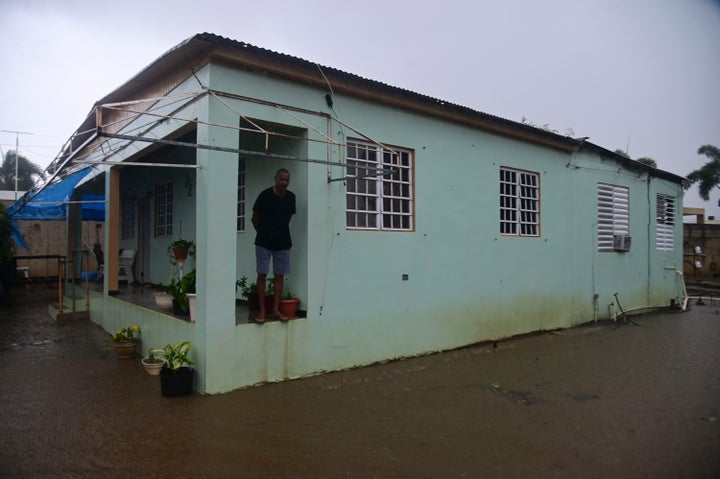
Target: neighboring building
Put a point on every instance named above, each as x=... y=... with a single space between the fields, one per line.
x=421 y=226
x=701 y=244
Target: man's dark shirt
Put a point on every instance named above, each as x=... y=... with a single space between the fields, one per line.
x=275 y=212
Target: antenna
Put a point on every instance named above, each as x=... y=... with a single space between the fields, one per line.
x=17 y=154
x=627 y=146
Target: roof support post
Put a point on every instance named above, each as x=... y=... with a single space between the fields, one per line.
x=112 y=230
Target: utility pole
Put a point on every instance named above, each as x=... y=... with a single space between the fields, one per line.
x=17 y=154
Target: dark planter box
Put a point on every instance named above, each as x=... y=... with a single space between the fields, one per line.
x=177 y=383
x=253 y=302
x=177 y=310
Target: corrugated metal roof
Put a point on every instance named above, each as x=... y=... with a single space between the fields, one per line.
x=208 y=47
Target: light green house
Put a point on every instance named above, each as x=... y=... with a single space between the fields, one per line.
x=421 y=225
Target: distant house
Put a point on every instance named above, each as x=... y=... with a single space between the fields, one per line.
x=422 y=225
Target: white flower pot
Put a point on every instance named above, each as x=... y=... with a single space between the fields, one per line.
x=153 y=369
x=191 y=302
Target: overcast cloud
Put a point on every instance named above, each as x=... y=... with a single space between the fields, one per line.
x=636 y=74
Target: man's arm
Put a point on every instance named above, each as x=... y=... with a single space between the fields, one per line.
x=256 y=220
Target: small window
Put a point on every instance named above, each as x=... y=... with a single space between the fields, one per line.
x=519 y=202
x=241 y=195
x=379 y=188
x=665 y=223
x=613 y=214
x=164 y=209
x=129 y=206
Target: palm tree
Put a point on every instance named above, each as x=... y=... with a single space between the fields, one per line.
x=28 y=172
x=707 y=176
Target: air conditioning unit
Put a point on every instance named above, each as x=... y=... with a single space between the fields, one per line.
x=621 y=242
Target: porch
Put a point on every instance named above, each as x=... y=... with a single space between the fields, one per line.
x=144 y=297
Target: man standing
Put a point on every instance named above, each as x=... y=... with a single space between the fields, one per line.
x=272 y=211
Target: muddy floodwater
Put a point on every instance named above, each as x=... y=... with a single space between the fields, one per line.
x=603 y=400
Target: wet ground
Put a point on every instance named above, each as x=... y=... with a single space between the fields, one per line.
x=626 y=400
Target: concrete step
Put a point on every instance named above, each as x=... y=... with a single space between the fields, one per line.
x=67 y=313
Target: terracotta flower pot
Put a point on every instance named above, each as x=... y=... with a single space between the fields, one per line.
x=181 y=253
x=253 y=302
x=126 y=349
x=289 y=307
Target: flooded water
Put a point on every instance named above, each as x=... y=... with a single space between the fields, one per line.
x=603 y=400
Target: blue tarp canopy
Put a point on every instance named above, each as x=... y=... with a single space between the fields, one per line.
x=51 y=204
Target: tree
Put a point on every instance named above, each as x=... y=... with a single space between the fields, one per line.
x=6 y=244
x=708 y=175
x=647 y=161
x=28 y=172
x=7 y=266
x=622 y=153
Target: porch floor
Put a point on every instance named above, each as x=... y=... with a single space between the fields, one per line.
x=143 y=296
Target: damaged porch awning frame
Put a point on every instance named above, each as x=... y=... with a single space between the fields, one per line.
x=101 y=132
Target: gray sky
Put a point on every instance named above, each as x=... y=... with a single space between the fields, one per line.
x=636 y=74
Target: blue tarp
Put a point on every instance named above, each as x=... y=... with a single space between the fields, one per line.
x=51 y=204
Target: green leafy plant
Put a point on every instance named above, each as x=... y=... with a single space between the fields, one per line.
x=250 y=289
x=126 y=334
x=175 y=356
x=155 y=356
x=288 y=295
x=180 y=287
x=246 y=289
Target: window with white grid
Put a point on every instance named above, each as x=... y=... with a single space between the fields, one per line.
x=128 y=217
x=379 y=188
x=164 y=209
x=241 y=195
x=665 y=222
x=613 y=214
x=519 y=202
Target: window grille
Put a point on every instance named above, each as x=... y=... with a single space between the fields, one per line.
x=519 y=203
x=164 y=209
x=377 y=201
x=128 y=217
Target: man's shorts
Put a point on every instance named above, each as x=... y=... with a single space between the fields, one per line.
x=281 y=261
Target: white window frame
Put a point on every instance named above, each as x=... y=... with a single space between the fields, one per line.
x=164 y=209
x=665 y=223
x=613 y=218
x=241 y=196
x=377 y=201
x=519 y=202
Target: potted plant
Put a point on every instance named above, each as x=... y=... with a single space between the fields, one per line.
x=176 y=375
x=163 y=299
x=179 y=250
x=154 y=361
x=249 y=292
x=125 y=342
x=289 y=305
x=178 y=289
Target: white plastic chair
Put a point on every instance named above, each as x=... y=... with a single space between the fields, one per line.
x=126 y=260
